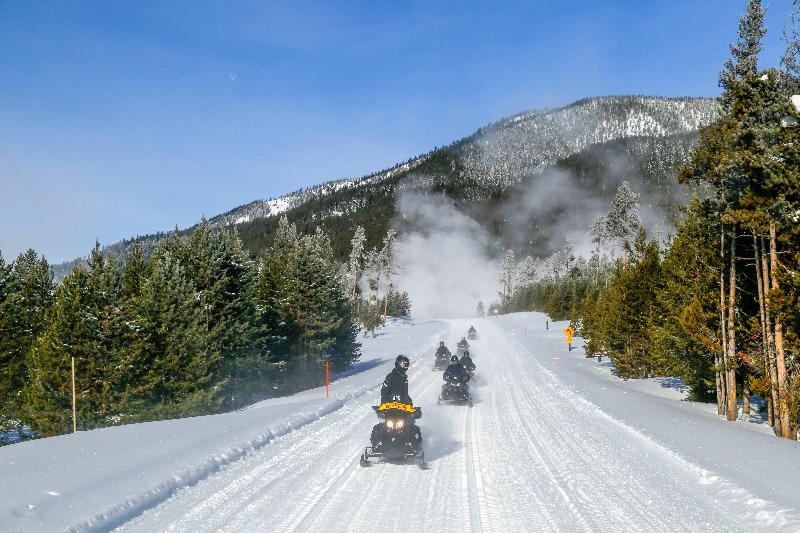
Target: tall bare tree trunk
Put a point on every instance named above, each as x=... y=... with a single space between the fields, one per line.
x=746 y=393
x=719 y=358
x=789 y=431
x=770 y=342
x=732 y=408
x=386 y=302
x=355 y=282
x=762 y=317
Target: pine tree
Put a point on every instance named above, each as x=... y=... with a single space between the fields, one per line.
x=72 y=330
x=170 y=362
x=26 y=294
x=224 y=281
x=356 y=259
x=621 y=223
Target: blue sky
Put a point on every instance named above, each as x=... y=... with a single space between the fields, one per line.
x=124 y=118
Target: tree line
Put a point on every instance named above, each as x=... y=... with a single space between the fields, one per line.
x=195 y=326
x=717 y=302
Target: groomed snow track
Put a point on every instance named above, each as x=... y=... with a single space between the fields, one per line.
x=532 y=455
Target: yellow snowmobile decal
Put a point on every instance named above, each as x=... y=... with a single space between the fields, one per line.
x=407 y=407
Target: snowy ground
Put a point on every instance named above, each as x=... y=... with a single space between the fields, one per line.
x=554 y=442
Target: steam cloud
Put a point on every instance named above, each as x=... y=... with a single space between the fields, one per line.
x=444 y=258
x=448 y=261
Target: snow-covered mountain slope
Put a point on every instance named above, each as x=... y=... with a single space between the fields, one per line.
x=276 y=206
x=659 y=134
x=504 y=153
x=520 y=146
x=551 y=445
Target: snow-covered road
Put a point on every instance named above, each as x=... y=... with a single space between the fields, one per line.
x=534 y=454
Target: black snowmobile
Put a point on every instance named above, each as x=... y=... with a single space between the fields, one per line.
x=398 y=439
x=462 y=346
x=442 y=357
x=472 y=334
x=456 y=392
x=455 y=389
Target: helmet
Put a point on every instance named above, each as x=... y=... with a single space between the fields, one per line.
x=401 y=363
x=466 y=353
x=441 y=343
x=454 y=359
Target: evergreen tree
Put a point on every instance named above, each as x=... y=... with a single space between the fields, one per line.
x=356 y=259
x=26 y=293
x=169 y=361
x=72 y=329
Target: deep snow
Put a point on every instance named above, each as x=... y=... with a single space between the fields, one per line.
x=554 y=443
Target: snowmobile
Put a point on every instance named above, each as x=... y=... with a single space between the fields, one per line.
x=456 y=392
x=398 y=439
x=441 y=362
x=472 y=334
x=462 y=347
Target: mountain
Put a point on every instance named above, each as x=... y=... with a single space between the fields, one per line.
x=598 y=142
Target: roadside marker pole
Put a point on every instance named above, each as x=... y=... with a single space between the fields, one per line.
x=327 y=377
x=74 y=410
x=547 y=325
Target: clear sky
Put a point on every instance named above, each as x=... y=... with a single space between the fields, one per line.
x=124 y=118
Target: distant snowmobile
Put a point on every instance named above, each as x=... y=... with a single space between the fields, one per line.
x=442 y=357
x=472 y=334
x=398 y=439
x=462 y=346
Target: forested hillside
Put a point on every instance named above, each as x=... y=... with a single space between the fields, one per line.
x=647 y=138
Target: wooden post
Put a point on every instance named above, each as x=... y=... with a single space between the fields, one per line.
x=74 y=410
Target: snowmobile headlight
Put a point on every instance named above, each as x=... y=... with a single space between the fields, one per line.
x=398 y=424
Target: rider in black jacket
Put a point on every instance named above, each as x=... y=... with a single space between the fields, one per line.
x=442 y=351
x=456 y=371
x=395 y=386
x=466 y=362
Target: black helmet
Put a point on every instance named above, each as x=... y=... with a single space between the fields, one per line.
x=441 y=343
x=401 y=363
x=466 y=353
x=454 y=359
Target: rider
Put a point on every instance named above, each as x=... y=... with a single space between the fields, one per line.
x=472 y=329
x=395 y=386
x=466 y=362
x=442 y=351
x=395 y=389
x=463 y=343
x=455 y=372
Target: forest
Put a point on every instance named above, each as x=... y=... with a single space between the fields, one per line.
x=715 y=303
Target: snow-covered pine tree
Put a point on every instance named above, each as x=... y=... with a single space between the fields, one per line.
x=356 y=260
x=506 y=281
x=387 y=266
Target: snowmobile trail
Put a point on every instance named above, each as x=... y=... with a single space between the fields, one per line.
x=531 y=455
